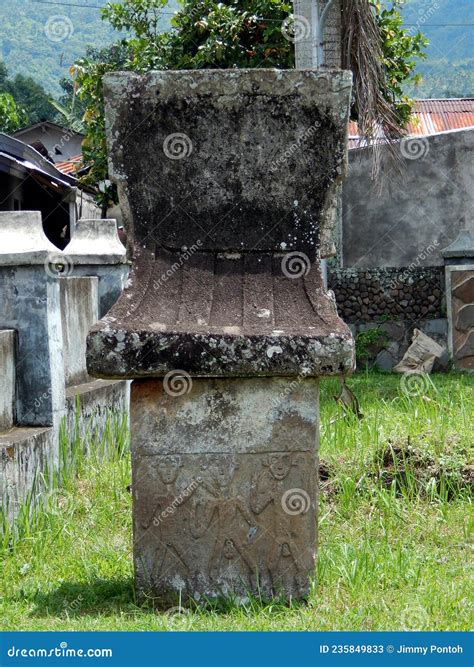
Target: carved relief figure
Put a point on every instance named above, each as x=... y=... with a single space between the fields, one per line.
x=268 y=488
x=162 y=519
x=223 y=512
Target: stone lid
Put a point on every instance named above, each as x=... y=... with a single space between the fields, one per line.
x=462 y=246
x=220 y=314
x=23 y=241
x=96 y=241
x=227 y=182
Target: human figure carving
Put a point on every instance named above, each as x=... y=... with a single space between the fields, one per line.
x=223 y=511
x=267 y=492
x=162 y=520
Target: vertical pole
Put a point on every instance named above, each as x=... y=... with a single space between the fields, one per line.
x=309 y=49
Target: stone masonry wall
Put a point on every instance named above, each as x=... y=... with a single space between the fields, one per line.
x=400 y=294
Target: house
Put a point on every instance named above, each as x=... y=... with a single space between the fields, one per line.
x=30 y=182
x=52 y=141
x=429 y=117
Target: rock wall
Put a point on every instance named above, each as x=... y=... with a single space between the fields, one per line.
x=404 y=294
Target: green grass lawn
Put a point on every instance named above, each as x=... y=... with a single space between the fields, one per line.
x=395 y=529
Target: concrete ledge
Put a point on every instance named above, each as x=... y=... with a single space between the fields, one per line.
x=96 y=242
x=96 y=401
x=24 y=454
x=28 y=453
x=24 y=229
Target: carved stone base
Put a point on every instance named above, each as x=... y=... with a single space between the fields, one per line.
x=224 y=486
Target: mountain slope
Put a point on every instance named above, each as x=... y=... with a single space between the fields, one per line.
x=43 y=40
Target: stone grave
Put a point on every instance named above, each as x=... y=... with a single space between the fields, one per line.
x=228 y=186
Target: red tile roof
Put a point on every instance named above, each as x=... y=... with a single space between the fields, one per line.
x=70 y=166
x=432 y=116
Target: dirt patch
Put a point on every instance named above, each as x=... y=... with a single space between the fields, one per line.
x=412 y=468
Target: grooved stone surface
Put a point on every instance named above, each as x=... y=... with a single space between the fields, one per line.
x=225 y=217
x=224 y=487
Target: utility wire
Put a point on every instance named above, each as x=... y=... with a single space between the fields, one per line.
x=411 y=25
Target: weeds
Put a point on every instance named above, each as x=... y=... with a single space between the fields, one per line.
x=395 y=528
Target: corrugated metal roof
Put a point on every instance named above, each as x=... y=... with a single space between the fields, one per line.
x=430 y=117
x=70 y=166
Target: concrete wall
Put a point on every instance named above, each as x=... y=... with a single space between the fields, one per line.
x=79 y=311
x=48 y=309
x=7 y=378
x=417 y=214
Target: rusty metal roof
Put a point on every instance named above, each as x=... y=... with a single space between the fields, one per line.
x=430 y=117
x=70 y=166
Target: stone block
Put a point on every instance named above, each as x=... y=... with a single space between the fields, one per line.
x=224 y=487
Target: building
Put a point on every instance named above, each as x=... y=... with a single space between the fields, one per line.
x=30 y=182
x=51 y=140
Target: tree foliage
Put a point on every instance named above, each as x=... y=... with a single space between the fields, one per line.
x=28 y=95
x=12 y=117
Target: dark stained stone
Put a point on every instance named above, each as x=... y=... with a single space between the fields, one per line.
x=225 y=240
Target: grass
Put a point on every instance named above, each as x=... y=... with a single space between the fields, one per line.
x=395 y=528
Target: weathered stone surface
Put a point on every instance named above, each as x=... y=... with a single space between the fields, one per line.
x=227 y=218
x=224 y=487
x=252 y=141
x=210 y=291
x=29 y=304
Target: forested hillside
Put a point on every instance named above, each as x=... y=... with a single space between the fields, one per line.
x=449 y=24
x=42 y=40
